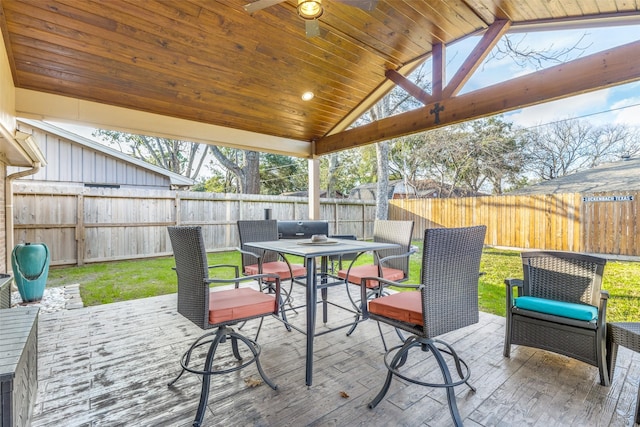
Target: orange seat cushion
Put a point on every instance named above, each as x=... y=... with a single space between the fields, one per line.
x=358 y=272
x=236 y=304
x=277 y=267
x=403 y=306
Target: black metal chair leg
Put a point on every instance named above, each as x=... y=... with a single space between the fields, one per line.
x=398 y=360
x=382 y=392
x=384 y=343
x=176 y=378
x=186 y=358
x=355 y=323
x=234 y=346
x=451 y=395
x=254 y=347
x=206 y=379
x=637 y=420
x=456 y=360
x=284 y=315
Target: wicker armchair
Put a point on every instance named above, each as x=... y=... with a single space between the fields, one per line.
x=626 y=334
x=390 y=264
x=569 y=312
x=446 y=300
x=257 y=261
x=216 y=309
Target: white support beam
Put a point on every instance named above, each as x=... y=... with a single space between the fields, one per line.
x=314 y=189
x=45 y=106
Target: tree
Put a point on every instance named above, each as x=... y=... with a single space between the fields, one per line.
x=567 y=146
x=182 y=157
x=243 y=164
x=282 y=174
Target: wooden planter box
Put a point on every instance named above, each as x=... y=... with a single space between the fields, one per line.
x=18 y=365
x=5 y=290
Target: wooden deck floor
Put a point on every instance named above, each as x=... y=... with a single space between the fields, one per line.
x=109 y=365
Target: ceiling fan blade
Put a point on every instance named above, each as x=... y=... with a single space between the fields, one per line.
x=260 y=4
x=367 y=5
x=312 y=28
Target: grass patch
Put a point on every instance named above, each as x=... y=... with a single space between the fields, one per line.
x=125 y=280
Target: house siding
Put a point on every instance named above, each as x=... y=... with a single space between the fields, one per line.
x=71 y=163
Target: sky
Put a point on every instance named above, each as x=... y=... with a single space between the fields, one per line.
x=616 y=105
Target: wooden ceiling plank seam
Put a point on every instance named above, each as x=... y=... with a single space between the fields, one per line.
x=236 y=88
x=451 y=26
x=8 y=47
x=186 y=47
x=385 y=87
x=86 y=82
x=267 y=109
x=338 y=25
x=525 y=9
x=586 y=74
x=489 y=39
x=487 y=11
x=390 y=39
x=274 y=18
x=588 y=7
x=556 y=9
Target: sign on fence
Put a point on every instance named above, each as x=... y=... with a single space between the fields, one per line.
x=608 y=199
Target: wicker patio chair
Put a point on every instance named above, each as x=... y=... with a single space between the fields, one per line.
x=626 y=334
x=560 y=307
x=390 y=264
x=257 y=261
x=446 y=300
x=221 y=309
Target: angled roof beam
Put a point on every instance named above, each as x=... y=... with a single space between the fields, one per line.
x=490 y=38
x=412 y=89
x=600 y=70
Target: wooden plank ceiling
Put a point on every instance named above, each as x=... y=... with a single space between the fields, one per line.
x=210 y=61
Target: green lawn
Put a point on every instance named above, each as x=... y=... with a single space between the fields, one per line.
x=124 y=280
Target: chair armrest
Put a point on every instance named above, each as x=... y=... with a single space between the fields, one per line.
x=512 y=283
x=235 y=267
x=406 y=254
x=383 y=283
x=255 y=278
x=602 y=307
x=258 y=257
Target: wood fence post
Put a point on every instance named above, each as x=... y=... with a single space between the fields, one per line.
x=177 y=210
x=80 y=230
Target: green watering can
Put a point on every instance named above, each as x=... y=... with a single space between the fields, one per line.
x=30 y=264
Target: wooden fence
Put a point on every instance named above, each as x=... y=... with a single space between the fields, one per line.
x=601 y=223
x=83 y=225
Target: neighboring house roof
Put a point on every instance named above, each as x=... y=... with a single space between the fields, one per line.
x=86 y=143
x=430 y=188
x=305 y=193
x=426 y=188
x=396 y=189
x=616 y=176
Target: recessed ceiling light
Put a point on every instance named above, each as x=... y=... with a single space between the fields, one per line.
x=307 y=96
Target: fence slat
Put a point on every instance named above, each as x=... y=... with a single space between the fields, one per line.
x=83 y=225
x=602 y=224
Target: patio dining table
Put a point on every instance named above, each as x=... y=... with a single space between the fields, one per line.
x=315 y=280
